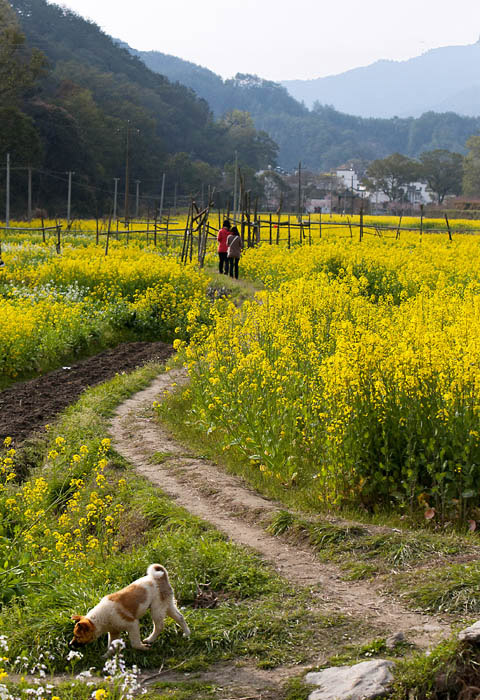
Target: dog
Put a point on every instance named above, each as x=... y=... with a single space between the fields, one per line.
x=120 y=612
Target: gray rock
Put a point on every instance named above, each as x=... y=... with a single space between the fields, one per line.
x=365 y=680
x=470 y=634
x=394 y=639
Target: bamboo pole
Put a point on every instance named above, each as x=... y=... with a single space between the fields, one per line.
x=398 y=229
x=107 y=242
x=448 y=228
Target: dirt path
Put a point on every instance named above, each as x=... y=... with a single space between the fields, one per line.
x=232 y=507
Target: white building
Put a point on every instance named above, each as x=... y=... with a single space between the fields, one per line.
x=348 y=178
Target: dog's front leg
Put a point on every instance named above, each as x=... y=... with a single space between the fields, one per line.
x=134 y=633
x=158 y=617
x=111 y=647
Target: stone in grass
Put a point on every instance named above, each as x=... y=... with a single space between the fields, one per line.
x=394 y=639
x=470 y=634
x=369 y=679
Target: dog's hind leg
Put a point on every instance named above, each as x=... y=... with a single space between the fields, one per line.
x=158 y=617
x=176 y=615
x=133 y=630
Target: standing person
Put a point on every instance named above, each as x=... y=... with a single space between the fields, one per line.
x=234 y=251
x=223 y=247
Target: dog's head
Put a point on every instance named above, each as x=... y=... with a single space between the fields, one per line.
x=83 y=632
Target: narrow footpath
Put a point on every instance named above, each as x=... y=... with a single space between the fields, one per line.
x=236 y=510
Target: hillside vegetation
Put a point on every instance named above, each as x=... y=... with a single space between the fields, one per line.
x=322 y=137
x=87 y=99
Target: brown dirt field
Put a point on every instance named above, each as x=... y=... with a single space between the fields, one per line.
x=26 y=407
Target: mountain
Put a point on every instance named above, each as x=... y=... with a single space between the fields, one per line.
x=444 y=79
x=324 y=137
x=244 y=92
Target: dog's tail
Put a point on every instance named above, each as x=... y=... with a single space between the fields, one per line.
x=157 y=571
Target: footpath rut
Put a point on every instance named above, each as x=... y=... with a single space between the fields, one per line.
x=224 y=500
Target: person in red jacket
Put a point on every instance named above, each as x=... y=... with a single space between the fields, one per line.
x=223 y=247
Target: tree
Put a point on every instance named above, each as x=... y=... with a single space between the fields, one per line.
x=19 y=68
x=255 y=148
x=471 y=169
x=442 y=170
x=390 y=175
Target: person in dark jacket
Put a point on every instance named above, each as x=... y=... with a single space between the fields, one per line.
x=234 y=251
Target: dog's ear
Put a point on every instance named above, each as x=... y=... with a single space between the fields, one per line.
x=76 y=618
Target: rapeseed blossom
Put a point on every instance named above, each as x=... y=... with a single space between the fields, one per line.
x=354 y=378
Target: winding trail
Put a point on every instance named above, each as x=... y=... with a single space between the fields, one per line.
x=231 y=506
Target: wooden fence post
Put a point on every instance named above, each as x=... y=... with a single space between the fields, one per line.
x=398 y=229
x=107 y=243
x=448 y=228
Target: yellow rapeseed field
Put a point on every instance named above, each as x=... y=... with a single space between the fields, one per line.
x=354 y=378
x=53 y=306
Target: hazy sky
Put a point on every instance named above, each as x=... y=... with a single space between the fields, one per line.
x=281 y=40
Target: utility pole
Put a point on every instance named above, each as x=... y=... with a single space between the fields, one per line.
x=235 y=186
x=69 y=196
x=299 y=190
x=161 y=199
x=29 y=202
x=175 y=199
x=115 y=194
x=7 y=198
x=127 y=172
x=137 y=198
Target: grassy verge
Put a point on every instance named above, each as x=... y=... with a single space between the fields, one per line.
x=258 y=616
x=364 y=553
x=450 y=589
x=225 y=286
x=450 y=670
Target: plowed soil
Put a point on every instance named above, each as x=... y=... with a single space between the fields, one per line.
x=27 y=406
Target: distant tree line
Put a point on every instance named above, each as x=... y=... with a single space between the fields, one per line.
x=322 y=138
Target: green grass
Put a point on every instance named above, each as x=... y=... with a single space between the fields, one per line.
x=237 y=291
x=259 y=616
x=447 y=670
x=446 y=589
x=186 y=690
x=362 y=552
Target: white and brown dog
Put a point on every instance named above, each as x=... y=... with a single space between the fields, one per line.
x=120 y=612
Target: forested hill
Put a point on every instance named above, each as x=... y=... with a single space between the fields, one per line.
x=92 y=93
x=244 y=92
x=322 y=137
